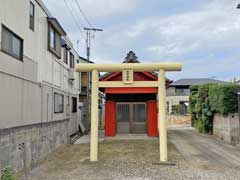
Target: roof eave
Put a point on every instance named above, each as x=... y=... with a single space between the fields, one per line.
x=54 y=22
x=84 y=59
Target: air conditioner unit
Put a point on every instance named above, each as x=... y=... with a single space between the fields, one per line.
x=71 y=74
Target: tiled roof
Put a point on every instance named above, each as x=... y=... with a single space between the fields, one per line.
x=196 y=81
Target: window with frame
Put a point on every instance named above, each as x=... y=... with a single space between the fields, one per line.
x=54 y=41
x=74 y=104
x=71 y=60
x=58 y=103
x=31 y=16
x=182 y=91
x=52 y=38
x=65 y=55
x=12 y=44
x=67 y=100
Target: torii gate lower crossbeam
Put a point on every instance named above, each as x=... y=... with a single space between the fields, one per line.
x=128 y=70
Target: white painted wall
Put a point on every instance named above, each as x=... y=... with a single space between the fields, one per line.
x=27 y=88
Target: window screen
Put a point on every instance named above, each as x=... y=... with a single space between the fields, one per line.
x=65 y=58
x=11 y=43
x=71 y=60
x=54 y=40
x=58 y=103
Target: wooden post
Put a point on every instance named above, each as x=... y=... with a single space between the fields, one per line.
x=162 y=116
x=94 y=117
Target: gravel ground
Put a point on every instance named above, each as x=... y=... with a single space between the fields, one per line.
x=124 y=160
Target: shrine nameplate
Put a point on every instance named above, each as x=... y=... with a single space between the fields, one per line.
x=127 y=76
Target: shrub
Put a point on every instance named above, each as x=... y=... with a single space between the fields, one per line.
x=199 y=126
x=192 y=103
x=206 y=117
x=228 y=100
x=214 y=97
x=208 y=99
x=223 y=98
x=7 y=174
x=203 y=109
x=176 y=109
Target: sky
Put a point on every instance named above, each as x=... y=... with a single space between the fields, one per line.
x=204 y=35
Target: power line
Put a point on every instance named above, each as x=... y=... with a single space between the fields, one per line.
x=74 y=19
x=84 y=16
x=89 y=30
x=73 y=8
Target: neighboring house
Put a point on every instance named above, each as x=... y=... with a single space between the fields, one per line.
x=39 y=84
x=84 y=97
x=178 y=93
x=238 y=82
x=85 y=100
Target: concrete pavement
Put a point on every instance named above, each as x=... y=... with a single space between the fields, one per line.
x=203 y=150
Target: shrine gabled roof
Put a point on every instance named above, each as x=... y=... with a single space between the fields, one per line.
x=131 y=58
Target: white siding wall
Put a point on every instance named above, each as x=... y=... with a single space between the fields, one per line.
x=27 y=88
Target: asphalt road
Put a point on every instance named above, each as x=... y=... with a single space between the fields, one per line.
x=204 y=150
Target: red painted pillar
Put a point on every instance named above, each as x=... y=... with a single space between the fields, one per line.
x=152 y=125
x=110 y=116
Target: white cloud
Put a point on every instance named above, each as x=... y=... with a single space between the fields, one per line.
x=96 y=8
x=193 y=31
x=202 y=38
x=212 y=28
x=103 y=8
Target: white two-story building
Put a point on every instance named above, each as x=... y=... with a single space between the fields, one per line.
x=39 y=87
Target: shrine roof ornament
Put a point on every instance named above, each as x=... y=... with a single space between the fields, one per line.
x=131 y=57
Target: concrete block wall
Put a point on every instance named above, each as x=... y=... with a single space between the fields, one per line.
x=23 y=147
x=174 y=120
x=227 y=128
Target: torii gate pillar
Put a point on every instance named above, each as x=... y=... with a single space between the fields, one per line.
x=94 y=117
x=162 y=124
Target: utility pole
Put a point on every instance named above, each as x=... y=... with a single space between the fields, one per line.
x=88 y=53
x=88 y=39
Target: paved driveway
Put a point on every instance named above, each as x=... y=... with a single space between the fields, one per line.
x=195 y=157
x=204 y=150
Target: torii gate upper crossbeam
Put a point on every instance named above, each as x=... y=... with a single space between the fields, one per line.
x=137 y=67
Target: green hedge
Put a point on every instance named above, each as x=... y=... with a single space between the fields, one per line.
x=192 y=102
x=203 y=109
x=208 y=99
x=223 y=98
